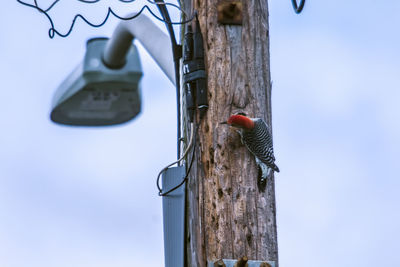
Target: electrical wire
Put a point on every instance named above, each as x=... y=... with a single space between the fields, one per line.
x=53 y=31
x=177 y=54
x=90 y=2
x=167 y=4
x=298 y=8
x=184 y=179
x=190 y=145
x=50 y=7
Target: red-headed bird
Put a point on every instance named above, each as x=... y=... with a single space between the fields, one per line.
x=256 y=136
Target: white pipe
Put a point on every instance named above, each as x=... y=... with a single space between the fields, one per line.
x=153 y=39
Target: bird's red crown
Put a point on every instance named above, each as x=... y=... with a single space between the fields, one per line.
x=241 y=121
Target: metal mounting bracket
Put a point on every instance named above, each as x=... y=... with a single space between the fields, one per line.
x=234 y=263
x=174 y=216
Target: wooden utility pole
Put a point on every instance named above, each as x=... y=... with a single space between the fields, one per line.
x=228 y=216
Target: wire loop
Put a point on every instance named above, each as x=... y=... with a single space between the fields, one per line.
x=191 y=145
x=298 y=8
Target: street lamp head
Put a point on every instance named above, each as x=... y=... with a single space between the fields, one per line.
x=96 y=95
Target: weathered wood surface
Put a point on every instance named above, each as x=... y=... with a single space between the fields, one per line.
x=227 y=215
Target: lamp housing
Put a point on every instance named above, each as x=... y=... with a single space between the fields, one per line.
x=95 y=94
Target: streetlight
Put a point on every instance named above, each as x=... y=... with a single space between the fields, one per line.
x=105 y=88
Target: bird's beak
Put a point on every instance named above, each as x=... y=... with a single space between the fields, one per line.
x=224 y=122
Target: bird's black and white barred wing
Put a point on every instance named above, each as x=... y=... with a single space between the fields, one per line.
x=259 y=142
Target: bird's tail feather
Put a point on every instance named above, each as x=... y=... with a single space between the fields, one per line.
x=275 y=168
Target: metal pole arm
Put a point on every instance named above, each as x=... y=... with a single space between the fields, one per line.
x=155 y=41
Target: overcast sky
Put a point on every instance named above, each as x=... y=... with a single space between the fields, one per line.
x=86 y=197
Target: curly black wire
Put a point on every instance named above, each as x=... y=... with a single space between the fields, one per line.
x=50 y=7
x=298 y=8
x=160 y=192
x=89 y=2
x=53 y=31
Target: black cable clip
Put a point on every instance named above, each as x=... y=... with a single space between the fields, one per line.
x=194 y=74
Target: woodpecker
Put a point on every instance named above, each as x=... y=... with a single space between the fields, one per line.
x=256 y=136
